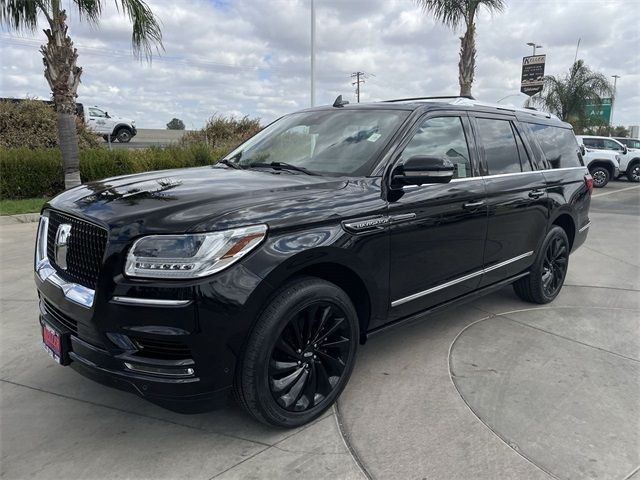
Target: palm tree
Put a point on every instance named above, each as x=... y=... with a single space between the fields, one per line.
x=60 y=57
x=567 y=96
x=453 y=13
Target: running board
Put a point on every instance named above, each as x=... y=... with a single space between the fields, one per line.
x=443 y=306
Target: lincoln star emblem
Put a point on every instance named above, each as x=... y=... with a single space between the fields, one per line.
x=62 y=240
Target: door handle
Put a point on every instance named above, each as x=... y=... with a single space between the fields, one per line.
x=536 y=193
x=473 y=204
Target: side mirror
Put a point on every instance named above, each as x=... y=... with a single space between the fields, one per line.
x=421 y=169
x=106 y=114
x=583 y=150
x=625 y=150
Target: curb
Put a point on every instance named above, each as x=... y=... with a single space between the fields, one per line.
x=22 y=218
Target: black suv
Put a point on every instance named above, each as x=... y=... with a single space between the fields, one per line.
x=262 y=274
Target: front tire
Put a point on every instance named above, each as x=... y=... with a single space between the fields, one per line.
x=124 y=135
x=300 y=354
x=633 y=172
x=546 y=277
x=600 y=176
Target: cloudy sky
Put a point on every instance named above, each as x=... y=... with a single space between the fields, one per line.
x=251 y=57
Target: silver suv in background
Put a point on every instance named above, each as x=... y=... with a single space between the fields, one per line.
x=629 y=157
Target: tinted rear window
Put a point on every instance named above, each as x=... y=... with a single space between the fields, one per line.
x=558 y=144
x=499 y=145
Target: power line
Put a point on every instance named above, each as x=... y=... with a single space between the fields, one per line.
x=360 y=79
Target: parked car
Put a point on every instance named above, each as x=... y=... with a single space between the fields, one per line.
x=109 y=126
x=633 y=143
x=629 y=158
x=603 y=165
x=263 y=273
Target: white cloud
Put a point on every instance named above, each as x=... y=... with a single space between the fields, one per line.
x=250 y=57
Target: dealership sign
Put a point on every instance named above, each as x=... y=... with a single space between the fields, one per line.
x=532 y=74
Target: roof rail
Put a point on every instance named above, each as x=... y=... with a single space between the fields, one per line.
x=440 y=97
x=500 y=106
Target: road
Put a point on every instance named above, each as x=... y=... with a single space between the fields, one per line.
x=496 y=388
x=147 y=137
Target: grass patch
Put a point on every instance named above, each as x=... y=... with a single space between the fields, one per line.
x=24 y=205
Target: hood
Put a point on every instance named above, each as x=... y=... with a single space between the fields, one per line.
x=187 y=199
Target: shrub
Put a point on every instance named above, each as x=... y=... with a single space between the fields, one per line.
x=32 y=124
x=26 y=173
x=223 y=132
x=175 y=124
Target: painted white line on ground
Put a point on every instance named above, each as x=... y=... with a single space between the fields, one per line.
x=614 y=191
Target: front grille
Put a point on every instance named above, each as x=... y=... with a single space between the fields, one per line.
x=60 y=317
x=85 y=249
x=161 y=349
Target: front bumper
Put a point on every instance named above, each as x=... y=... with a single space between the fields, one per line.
x=182 y=357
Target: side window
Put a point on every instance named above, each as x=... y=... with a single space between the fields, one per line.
x=593 y=142
x=525 y=161
x=442 y=137
x=558 y=144
x=499 y=145
x=611 y=145
x=94 y=112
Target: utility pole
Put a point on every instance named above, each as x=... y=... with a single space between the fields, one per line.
x=613 y=100
x=534 y=45
x=313 y=54
x=360 y=77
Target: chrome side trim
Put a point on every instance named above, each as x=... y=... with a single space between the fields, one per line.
x=584 y=228
x=451 y=283
x=498 y=175
x=153 y=302
x=79 y=294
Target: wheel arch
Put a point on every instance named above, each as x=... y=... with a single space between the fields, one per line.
x=604 y=164
x=120 y=126
x=565 y=221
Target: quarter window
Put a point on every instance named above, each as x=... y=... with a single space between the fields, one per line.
x=499 y=144
x=442 y=137
x=559 y=145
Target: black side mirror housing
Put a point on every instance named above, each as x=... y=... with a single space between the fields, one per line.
x=625 y=150
x=421 y=169
x=583 y=150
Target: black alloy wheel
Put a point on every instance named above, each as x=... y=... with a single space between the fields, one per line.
x=300 y=353
x=554 y=267
x=309 y=357
x=546 y=275
x=633 y=175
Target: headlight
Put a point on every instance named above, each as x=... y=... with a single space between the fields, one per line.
x=191 y=255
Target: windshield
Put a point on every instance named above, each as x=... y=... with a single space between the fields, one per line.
x=341 y=142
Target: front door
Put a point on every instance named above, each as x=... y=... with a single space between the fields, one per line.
x=437 y=231
x=98 y=121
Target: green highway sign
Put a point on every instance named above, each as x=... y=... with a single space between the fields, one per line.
x=600 y=112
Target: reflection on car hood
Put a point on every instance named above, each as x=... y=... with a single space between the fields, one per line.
x=185 y=199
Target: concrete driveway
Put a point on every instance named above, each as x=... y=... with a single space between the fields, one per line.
x=493 y=389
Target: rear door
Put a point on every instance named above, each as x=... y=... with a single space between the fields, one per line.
x=516 y=197
x=437 y=231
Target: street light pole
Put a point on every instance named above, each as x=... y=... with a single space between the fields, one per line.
x=313 y=54
x=613 y=100
x=534 y=45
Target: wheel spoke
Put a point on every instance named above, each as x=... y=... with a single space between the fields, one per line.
x=284 y=383
x=278 y=367
x=336 y=364
x=336 y=343
x=293 y=395
x=326 y=312
x=333 y=328
x=285 y=347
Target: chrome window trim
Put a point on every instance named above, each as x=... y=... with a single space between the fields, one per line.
x=584 y=228
x=78 y=294
x=153 y=302
x=437 y=288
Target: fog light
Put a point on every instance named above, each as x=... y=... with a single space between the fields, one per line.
x=165 y=372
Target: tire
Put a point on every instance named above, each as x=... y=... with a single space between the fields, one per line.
x=123 y=135
x=600 y=176
x=633 y=172
x=285 y=386
x=546 y=277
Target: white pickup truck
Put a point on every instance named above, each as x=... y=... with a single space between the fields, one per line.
x=109 y=126
x=629 y=158
x=602 y=165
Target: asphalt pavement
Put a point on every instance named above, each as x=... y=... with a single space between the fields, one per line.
x=497 y=388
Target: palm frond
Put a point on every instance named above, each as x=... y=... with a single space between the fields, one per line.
x=449 y=12
x=20 y=14
x=146 y=35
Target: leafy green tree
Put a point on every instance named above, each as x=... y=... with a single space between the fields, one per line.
x=175 y=124
x=60 y=57
x=453 y=14
x=568 y=95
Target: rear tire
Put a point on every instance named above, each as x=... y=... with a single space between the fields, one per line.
x=600 y=176
x=547 y=274
x=633 y=172
x=300 y=354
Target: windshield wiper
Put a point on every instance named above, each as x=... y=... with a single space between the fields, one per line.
x=231 y=164
x=281 y=166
